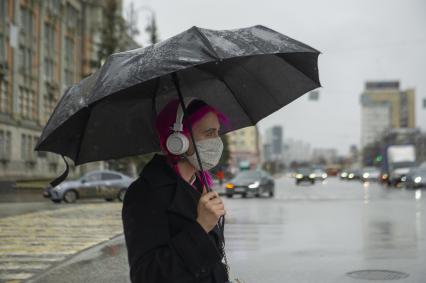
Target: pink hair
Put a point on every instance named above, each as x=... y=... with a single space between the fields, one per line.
x=165 y=120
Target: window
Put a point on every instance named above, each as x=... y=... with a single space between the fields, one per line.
x=27 y=147
x=23 y=147
x=26 y=102
x=25 y=60
x=93 y=177
x=49 y=46
x=4 y=98
x=2 y=47
x=3 y=9
x=27 y=24
x=69 y=61
x=48 y=104
x=71 y=16
x=110 y=176
x=5 y=143
x=54 y=5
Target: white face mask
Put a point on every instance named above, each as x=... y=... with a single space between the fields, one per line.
x=210 y=151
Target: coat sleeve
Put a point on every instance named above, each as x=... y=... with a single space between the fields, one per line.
x=153 y=255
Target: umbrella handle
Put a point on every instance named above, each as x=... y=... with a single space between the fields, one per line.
x=62 y=177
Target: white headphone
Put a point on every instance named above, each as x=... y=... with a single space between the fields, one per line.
x=177 y=143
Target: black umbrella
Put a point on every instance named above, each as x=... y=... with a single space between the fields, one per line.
x=246 y=73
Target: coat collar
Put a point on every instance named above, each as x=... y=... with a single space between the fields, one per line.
x=159 y=174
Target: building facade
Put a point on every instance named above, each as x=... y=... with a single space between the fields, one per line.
x=45 y=47
x=384 y=106
x=244 y=147
x=273 y=144
x=296 y=151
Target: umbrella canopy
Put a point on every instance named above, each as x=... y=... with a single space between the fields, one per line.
x=246 y=73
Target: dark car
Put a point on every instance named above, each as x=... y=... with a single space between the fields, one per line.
x=305 y=175
x=416 y=178
x=105 y=184
x=354 y=174
x=370 y=174
x=344 y=174
x=320 y=174
x=255 y=182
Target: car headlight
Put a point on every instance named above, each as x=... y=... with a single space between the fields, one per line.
x=344 y=174
x=417 y=180
x=404 y=178
x=324 y=176
x=311 y=176
x=254 y=185
x=365 y=175
x=299 y=176
x=229 y=186
x=351 y=176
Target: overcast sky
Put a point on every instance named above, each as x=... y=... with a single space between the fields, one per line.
x=360 y=40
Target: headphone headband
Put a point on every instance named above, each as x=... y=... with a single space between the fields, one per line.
x=178 y=126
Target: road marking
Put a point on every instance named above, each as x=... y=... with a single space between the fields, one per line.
x=31 y=243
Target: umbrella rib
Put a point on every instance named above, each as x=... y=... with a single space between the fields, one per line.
x=77 y=156
x=207 y=42
x=238 y=100
x=259 y=82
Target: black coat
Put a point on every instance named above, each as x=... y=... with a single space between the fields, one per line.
x=164 y=241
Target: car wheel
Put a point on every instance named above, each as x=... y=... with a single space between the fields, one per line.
x=271 y=193
x=244 y=195
x=312 y=182
x=109 y=199
x=229 y=195
x=56 y=200
x=257 y=194
x=121 y=195
x=70 y=196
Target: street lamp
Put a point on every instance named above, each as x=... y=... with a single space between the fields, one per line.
x=151 y=26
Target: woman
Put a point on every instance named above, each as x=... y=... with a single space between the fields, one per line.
x=169 y=218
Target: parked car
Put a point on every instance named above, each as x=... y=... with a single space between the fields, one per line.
x=320 y=174
x=305 y=174
x=370 y=174
x=254 y=182
x=416 y=178
x=106 y=184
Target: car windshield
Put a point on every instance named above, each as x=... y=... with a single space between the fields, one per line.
x=247 y=175
x=420 y=172
x=370 y=169
x=304 y=171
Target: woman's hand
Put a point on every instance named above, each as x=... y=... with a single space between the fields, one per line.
x=210 y=209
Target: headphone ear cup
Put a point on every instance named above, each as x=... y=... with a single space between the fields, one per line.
x=177 y=143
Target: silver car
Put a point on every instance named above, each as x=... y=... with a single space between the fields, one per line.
x=106 y=184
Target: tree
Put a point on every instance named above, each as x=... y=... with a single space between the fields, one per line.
x=112 y=30
x=152 y=30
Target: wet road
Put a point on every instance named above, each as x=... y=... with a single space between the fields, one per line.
x=306 y=233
